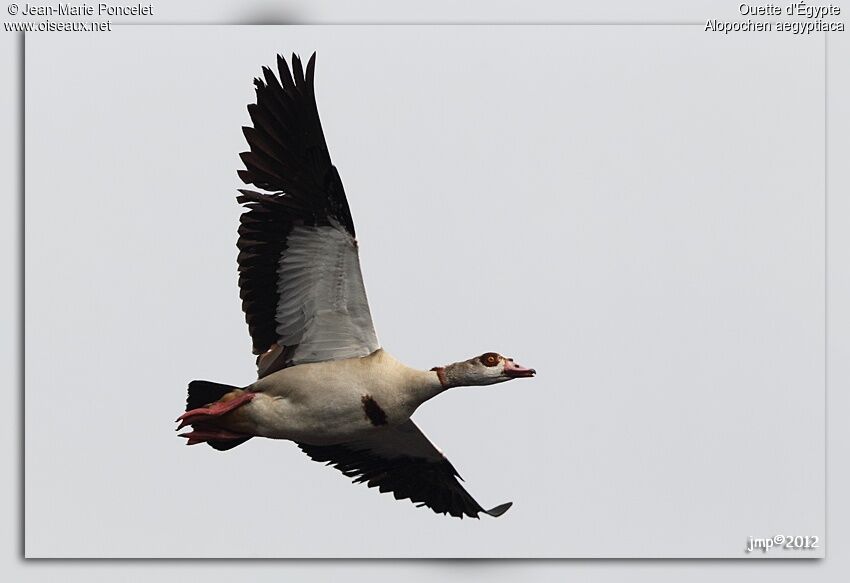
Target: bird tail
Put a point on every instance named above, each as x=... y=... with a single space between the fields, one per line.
x=205 y=392
x=205 y=403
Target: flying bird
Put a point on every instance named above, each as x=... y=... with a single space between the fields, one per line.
x=323 y=380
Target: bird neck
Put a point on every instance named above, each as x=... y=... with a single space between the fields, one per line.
x=443 y=373
x=426 y=385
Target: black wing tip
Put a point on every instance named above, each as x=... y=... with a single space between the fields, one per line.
x=294 y=55
x=311 y=71
x=297 y=71
x=497 y=511
x=293 y=68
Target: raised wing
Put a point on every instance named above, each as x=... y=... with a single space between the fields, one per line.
x=299 y=269
x=401 y=460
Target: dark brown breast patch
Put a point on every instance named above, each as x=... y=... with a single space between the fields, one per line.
x=373 y=411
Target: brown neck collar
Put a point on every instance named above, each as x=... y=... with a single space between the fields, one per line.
x=441 y=374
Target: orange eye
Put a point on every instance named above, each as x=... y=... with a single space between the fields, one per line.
x=489 y=359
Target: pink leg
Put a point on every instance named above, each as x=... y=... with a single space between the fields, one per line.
x=216 y=409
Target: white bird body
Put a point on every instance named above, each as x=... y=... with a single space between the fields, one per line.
x=323 y=402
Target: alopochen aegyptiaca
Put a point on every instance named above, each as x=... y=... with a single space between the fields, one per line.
x=324 y=382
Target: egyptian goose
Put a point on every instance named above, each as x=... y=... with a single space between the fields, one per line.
x=324 y=382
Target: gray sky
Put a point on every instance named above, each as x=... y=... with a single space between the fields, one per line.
x=629 y=210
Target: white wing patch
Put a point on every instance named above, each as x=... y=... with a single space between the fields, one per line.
x=322 y=307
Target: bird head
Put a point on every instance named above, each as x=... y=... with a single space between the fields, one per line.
x=487 y=369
